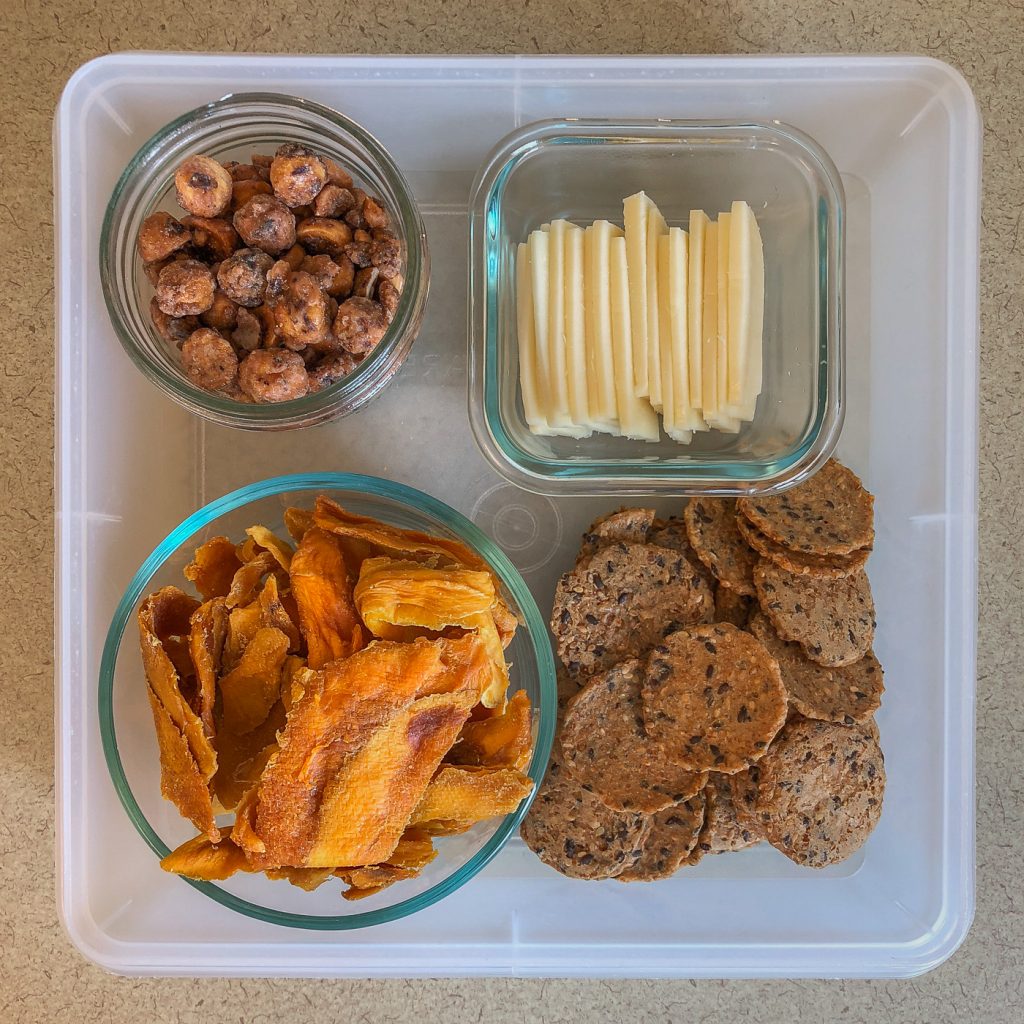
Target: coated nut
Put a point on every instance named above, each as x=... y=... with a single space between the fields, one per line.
x=273 y=375
x=366 y=282
x=209 y=360
x=302 y=312
x=213 y=235
x=324 y=235
x=359 y=325
x=222 y=314
x=243 y=276
x=173 y=329
x=297 y=177
x=266 y=223
x=330 y=370
x=333 y=201
x=185 y=288
x=160 y=236
x=374 y=214
x=336 y=278
x=248 y=331
x=203 y=186
x=336 y=175
x=388 y=296
x=243 y=191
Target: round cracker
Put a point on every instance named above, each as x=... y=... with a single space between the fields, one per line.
x=573 y=832
x=722 y=831
x=713 y=698
x=669 y=844
x=833 y=620
x=828 y=514
x=622 y=603
x=716 y=540
x=820 y=791
x=605 y=748
x=671 y=533
x=799 y=562
x=626 y=526
x=742 y=788
x=731 y=606
x=847 y=694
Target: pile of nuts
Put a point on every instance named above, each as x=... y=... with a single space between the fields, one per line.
x=280 y=279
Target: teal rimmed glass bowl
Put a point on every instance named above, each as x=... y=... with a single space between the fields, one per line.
x=129 y=742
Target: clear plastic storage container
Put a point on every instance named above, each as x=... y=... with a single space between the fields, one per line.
x=905 y=136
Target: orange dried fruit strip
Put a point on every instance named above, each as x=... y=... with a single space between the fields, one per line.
x=246 y=581
x=340 y=708
x=461 y=793
x=273 y=613
x=304 y=878
x=502 y=741
x=241 y=758
x=444 y=827
x=297 y=521
x=253 y=686
x=323 y=594
x=213 y=567
x=371 y=880
x=208 y=631
x=268 y=541
x=202 y=859
x=414 y=850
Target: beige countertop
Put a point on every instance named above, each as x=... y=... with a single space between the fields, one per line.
x=42 y=978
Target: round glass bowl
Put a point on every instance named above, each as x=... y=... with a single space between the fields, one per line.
x=129 y=741
x=234 y=128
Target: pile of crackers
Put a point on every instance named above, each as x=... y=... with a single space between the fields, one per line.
x=717 y=687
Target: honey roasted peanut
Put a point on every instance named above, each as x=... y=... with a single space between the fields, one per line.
x=213 y=236
x=273 y=375
x=359 y=325
x=209 y=360
x=266 y=223
x=160 y=236
x=243 y=276
x=185 y=288
x=297 y=175
x=203 y=186
x=330 y=370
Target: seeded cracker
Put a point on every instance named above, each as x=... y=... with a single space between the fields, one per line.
x=605 y=748
x=722 y=831
x=711 y=528
x=573 y=832
x=622 y=603
x=820 y=791
x=713 y=698
x=829 y=514
x=627 y=526
x=833 y=566
x=668 y=846
x=732 y=607
x=833 y=620
x=848 y=694
x=671 y=533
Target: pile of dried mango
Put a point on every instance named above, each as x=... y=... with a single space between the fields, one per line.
x=345 y=697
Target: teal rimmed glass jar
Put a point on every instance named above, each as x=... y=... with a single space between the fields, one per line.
x=581 y=169
x=233 y=128
x=129 y=742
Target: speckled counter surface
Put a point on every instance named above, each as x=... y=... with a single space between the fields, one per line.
x=42 y=978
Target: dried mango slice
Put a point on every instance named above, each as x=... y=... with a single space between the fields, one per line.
x=502 y=741
x=242 y=626
x=297 y=521
x=243 y=832
x=242 y=758
x=461 y=793
x=274 y=614
x=397 y=593
x=253 y=686
x=166 y=613
x=213 y=567
x=209 y=628
x=505 y=621
x=338 y=711
x=269 y=541
x=323 y=594
x=181 y=780
x=246 y=582
x=381 y=538
x=414 y=850
x=371 y=880
x=440 y=827
x=305 y=878
x=202 y=859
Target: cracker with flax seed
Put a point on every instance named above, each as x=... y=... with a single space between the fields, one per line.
x=626 y=526
x=711 y=528
x=846 y=694
x=713 y=698
x=830 y=513
x=605 y=747
x=671 y=840
x=799 y=562
x=832 y=619
x=722 y=831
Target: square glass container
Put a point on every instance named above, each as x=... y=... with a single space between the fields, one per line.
x=581 y=170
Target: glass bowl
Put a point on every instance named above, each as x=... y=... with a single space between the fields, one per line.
x=129 y=741
x=233 y=128
x=580 y=170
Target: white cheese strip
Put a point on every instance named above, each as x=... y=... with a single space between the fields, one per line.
x=634 y=211
x=527 y=340
x=709 y=347
x=604 y=407
x=538 y=246
x=575 y=337
x=668 y=290
x=656 y=228
x=557 y=408
x=674 y=337
x=636 y=417
x=695 y=306
x=726 y=371
x=746 y=309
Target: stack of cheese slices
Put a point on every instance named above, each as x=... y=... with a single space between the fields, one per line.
x=618 y=326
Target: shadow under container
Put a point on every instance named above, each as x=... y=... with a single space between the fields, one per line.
x=581 y=170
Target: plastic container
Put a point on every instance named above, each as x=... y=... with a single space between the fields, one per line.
x=580 y=170
x=233 y=128
x=905 y=136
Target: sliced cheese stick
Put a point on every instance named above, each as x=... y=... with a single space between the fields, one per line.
x=666 y=292
x=726 y=372
x=558 y=412
x=746 y=309
x=575 y=339
x=656 y=228
x=634 y=211
x=675 y=361
x=709 y=345
x=527 y=340
x=604 y=408
x=695 y=306
x=636 y=417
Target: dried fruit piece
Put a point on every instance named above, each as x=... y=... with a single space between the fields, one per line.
x=209 y=627
x=500 y=741
x=253 y=686
x=201 y=859
x=213 y=567
x=471 y=794
x=203 y=186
